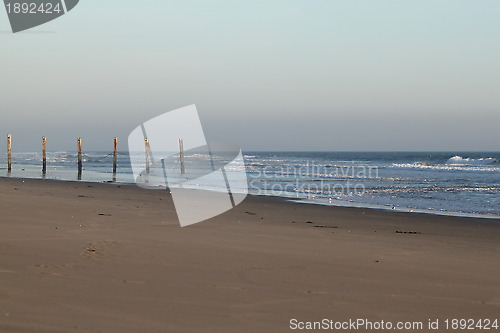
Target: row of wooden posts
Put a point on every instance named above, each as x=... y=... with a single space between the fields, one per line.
x=148 y=164
x=80 y=155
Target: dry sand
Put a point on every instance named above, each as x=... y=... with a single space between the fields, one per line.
x=78 y=257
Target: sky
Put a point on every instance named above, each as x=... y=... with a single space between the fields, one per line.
x=309 y=75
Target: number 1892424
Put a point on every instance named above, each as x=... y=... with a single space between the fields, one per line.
x=33 y=8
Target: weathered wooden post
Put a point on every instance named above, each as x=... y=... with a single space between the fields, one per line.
x=115 y=154
x=9 y=152
x=80 y=163
x=44 y=155
x=115 y=157
x=146 y=143
x=181 y=155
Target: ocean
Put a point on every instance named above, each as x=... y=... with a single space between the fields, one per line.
x=449 y=183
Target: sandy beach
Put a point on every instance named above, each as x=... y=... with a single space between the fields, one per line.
x=82 y=257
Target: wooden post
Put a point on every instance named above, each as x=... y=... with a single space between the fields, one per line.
x=146 y=143
x=44 y=155
x=80 y=164
x=115 y=154
x=181 y=155
x=9 y=152
x=115 y=157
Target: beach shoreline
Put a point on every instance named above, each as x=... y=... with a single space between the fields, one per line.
x=442 y=183
x=296 y=200
x=92 y=257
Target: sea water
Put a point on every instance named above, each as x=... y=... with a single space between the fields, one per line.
x=453 y=183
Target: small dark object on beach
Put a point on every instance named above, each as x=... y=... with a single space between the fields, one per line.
x=309 y=222
x=91 y=248
x=250 y=213
x=102 y=214
x=408 y=232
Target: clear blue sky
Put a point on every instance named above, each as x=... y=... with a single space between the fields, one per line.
x=267 y=75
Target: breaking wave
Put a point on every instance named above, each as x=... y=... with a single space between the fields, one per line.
x=471 y=161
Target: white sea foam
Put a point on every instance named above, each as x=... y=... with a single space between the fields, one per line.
x=456 y=163
x=470 y=161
